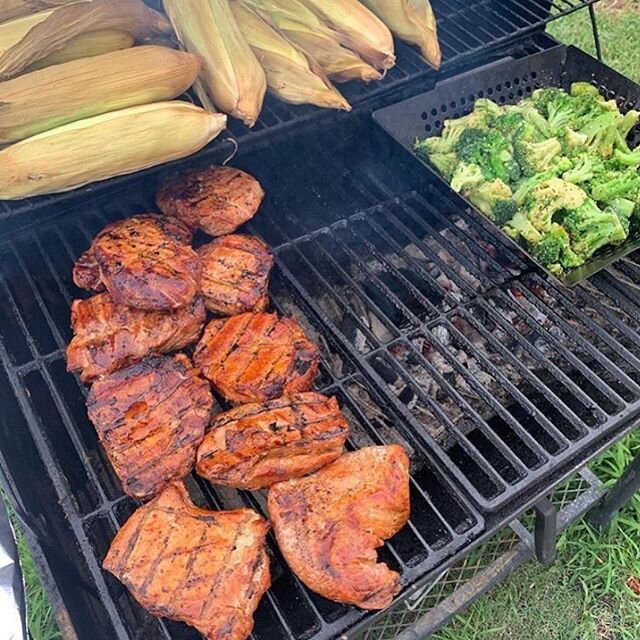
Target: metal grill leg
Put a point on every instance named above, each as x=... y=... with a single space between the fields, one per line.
x=620 y=494
x=546 y=532
x=596 y=33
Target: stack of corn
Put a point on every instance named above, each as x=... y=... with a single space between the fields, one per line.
x=79 y=102
x=295 y=48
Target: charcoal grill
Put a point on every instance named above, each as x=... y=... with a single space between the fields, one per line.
x=434 y=332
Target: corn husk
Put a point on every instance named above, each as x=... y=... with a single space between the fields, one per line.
x=91 y=86
x=306 y=30
x=105 y=146
x=70 y=21
x=291 y=76
x=360 y=30
x=15 y=30
x=413 y=21
x=86 y=45
x=10 y=9
x=232 y=78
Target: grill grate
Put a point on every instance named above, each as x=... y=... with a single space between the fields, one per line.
x=434 y=334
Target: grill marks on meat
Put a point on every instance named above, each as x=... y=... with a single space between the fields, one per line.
x=109 y=336
x=151 y=418
x=255 y=445
x=235 y=274
x=217 y=200
x=329 y=524
x=206 y=568
x=257 y=357
x=86 y=272
x=144 y=267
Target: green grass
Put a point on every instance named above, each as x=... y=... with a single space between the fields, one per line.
x=584 y=596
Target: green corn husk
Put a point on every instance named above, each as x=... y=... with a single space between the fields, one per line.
x=91 y=86
x=413 y=21
x=232 y=78
x=69 y=21
x=291 y=76
x=105 y=146
x=360 y=30
x=305 y=29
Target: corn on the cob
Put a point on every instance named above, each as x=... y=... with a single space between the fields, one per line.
x=290 y=74
x=105 y=146
x=13 y=31
x=86 y=45
x=359 y=29
x=413 y=21
x=232 y=78
x=91 y=86
x=71 y=20
x=315 y=38
x=10 y=9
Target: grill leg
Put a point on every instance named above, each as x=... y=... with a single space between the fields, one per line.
x=596 y=33
x=546 y=532
x=617 y=497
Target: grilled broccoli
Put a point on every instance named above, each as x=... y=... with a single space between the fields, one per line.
x=602 y=134
x=487 y=194
x=627 y=158
x=624 y=209
x=551 y=196
x=590 y=228
x=554 y=251
x=556 y=106
x=466 y=176
x=520 y=228
x=579 y=89
x=534 y=157
x=610 y=185
x=507 y=123
x=490 y=151
x=585 y=166
x=445 y=163
x=627 y=122
x=557 y=168
x=504 y=210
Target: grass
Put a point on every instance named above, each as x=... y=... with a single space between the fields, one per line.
x=585 y=595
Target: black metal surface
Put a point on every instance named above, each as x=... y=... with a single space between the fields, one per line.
x=507 y=82
x=467 y=30
x=545 y=532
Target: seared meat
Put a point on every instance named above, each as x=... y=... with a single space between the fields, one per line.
x=255 y=357
x=144 y=267
x=255 y=445
x=150 y=419
x=235 y=274
x=86 y=272
x=206 y=568
x=110 y=336
x=217 y=200
x=329 y=524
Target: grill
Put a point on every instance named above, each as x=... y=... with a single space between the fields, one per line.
x=435 y=334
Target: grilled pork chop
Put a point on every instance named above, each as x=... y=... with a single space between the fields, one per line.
x=144 y=267
x=86 y=272
x=217 y=200
x=329 y=524
x=254 y=357
x=206 y=568
x=151 y=418
x=109 y=336
x=255 y=445
x=235 y=274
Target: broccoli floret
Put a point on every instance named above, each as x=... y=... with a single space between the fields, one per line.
x=627 y=122
x=520 y=228
x=585 y=166
x=504 y=210
x=486 y=195
x=488 y=109
x=507 y=123
x=583 y=89
x=627 y=158
x=534 y=157
x=549 y=197
x=602 y=134
x=590 y=228
x=466 y=176
x=623 y=207
x=574 y=139
x=554 y=250
x=556 y=106
x=611 y=185
x=445 y=163
x=490 y=150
